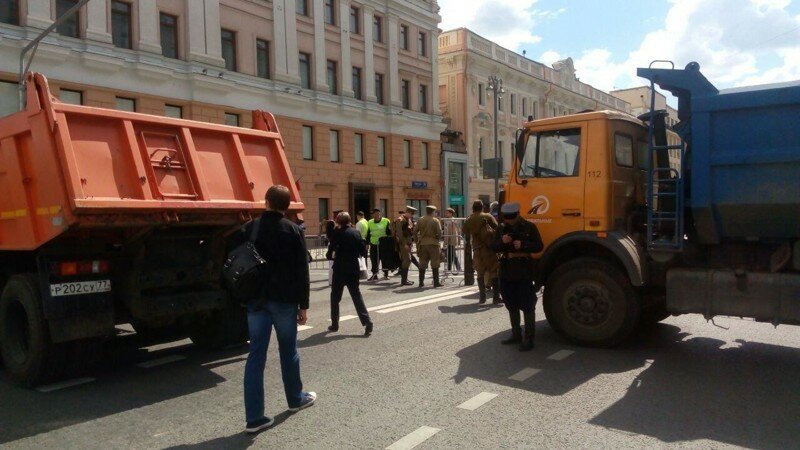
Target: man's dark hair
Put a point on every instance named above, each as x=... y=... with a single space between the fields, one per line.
x=360 y=214
x=477 y=206
x=278 y=197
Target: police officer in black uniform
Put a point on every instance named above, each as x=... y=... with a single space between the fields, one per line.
x=516 y=241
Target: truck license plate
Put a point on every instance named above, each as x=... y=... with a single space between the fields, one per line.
x=80 y=288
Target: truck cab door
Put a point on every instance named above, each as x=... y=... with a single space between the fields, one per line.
x=552 y=170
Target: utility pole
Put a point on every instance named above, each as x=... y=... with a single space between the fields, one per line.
x=496 y=86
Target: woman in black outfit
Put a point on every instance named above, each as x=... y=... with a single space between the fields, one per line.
x=347 y=246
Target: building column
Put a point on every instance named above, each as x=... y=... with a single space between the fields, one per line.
x=369 y=55
x=434 y=52
x=39 y=14
x=149 y=27
x=97 y=21
x=345 y=67
x=284 y=41
x=320 y=60
x=205 y=39
x=393 y=29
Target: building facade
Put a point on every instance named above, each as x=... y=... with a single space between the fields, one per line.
x=466 y=61
x=351 y=83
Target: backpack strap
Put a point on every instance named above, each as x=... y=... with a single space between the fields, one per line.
x=254 y=230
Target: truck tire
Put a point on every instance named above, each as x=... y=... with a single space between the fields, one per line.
x=591 y=302
x=28 y=355
x=220 y=329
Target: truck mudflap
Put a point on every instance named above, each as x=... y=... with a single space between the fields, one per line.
x=765 y=297
x=622 y=246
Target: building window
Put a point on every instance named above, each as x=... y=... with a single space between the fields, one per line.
x=332 y=79
x=379 y=88
x=358 y=143
x=404 y=93
x=173 y=111
x=422 y=46
x=424 y=150
x=334 y=145
x=406 y=154
x=381 y=151
x=229 y=49
x=330 y=12
x=9 y=98
x=308 y=142
x=305 y=70
x=377 y=28
x=232 y=119
x=9 y=12
x=169 y=36
x=301 y=7
x=355 y=20
x=71 y=97
x=384 y=206
x=500 y=103
x=534 y=111
x=262 y=58
x=481 y=94
x=121 y=24
x=423 y=98
x=71 y=26
x=357 y=82
x=480 y=152
x=125 y=104
x=404 y=37
x=324 y=209
x=524 y=107
x=513 y=103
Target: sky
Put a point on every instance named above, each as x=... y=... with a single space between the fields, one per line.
x=736 y=42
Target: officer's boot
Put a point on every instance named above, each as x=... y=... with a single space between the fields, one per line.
x=481 y=290
x=436 y=282
x=496 y=300
x=404 y=280
x=530 y=330
x=421 y=278
x=516 y=330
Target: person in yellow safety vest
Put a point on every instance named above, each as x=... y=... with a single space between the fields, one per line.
x=361 y=225
x=377 y=227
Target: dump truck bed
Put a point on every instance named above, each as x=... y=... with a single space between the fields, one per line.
x=65 y=167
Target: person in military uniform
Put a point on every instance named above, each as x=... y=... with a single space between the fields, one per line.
x=402 y=230
x=480 y=227
x=516 y=241
x=427 y=235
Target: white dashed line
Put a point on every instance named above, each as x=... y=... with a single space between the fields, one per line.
x=418 y=299
x=304 y=327
x=560 y=355
x=413 y=439
x=64 y=384
x=160 y=361
x=524 y=374
x=424 y=302
x=477 y=401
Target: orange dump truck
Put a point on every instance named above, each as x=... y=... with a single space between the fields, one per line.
x=110 y=217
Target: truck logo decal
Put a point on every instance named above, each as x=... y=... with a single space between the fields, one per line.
x=540 y=205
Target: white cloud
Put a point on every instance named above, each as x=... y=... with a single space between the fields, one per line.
x=727 y=38
x=549 y=57
x=510 y=23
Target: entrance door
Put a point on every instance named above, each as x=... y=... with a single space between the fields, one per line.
x=554 y=165
x=362 y=199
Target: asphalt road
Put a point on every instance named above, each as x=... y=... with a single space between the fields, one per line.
x=686 y=383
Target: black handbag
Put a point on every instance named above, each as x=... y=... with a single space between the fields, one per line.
x=245 y=269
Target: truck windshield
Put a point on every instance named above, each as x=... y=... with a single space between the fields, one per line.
x=551 y=154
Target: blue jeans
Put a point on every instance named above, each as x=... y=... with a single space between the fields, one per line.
x=283 y=316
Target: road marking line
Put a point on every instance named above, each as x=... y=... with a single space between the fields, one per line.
x=343 y=318
x=426 y=302
x=160 y=361
x=560 y=355
x=64 y=384
x=414 y=438
x=413 y=300
x=304 y=327
x=524 y=374
x=477 y=401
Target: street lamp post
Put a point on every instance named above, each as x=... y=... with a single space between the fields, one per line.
x=496 y=86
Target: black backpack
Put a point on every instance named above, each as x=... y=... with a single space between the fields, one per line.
x=244 y=271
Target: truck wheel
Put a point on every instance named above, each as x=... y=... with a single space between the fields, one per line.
x=29 y=356
x=222 y=328
x=591 y=302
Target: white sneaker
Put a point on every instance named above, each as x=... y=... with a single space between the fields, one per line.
x=307 y=399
